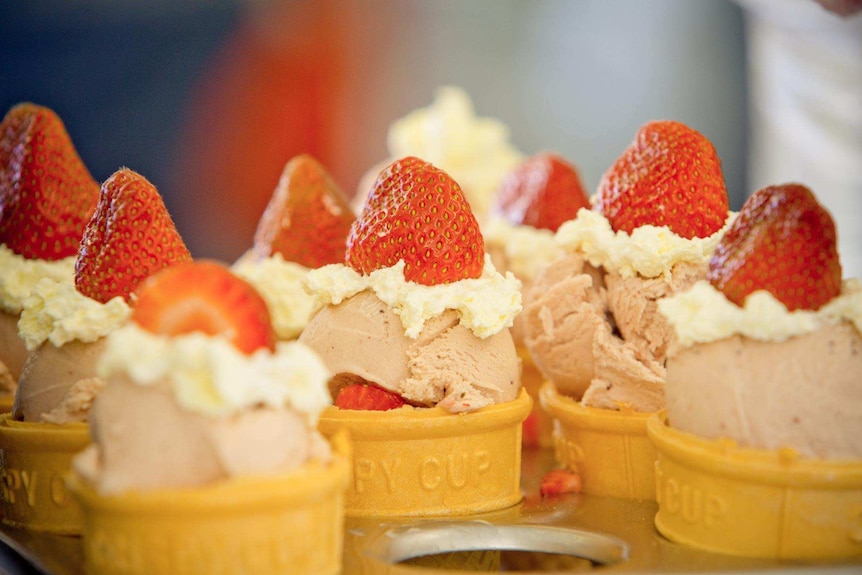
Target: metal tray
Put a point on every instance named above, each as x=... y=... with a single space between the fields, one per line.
x=562 y=534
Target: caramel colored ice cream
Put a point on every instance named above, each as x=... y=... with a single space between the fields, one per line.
x=191 y=410
x=64 y=333
x=591 y=320
x=447 y=345
x=446 y=365
x=58 y=384
x=765 y=377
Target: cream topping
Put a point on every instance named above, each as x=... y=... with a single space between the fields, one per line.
x=20 y=276
x=281 y=284
x=527 y=250
x=703 y=314
x=210 y=376
x=475 y=151
x=59 y=313
x=486 y=305
x=650 y=251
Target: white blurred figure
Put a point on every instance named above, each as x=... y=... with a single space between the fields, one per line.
x=805 y=98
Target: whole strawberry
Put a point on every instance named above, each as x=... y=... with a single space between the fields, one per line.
x=670 y=175
x=47 y=195
x=543 y=192
x=784 y=242
x=417 y=213
x=130 y=236
x=307 y=219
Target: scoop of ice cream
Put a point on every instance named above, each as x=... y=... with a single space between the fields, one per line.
x=633 y=302
x=362 y=339
x=13 y=352
x=55 y=378
x=143 y=439
x=598 y=336
x=191 y=409
x=591 y=320
x=281 y=284
x=64 y=331
x=801 y=393
x=474 y=150
x=764 y=376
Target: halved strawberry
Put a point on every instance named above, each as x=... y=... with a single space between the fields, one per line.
x=204 y=296
x=307 y=219
x=130 y=236
x=560 y=482
x=670 y=175
x=543 y=192
x=367 y=397
x=47 y=195
x=417 y=213
x=783 y=241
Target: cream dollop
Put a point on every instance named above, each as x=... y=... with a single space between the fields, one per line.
x=210 y=376
x=59 y=313
x=527 y=250
x=281 y=284
x=650 y=251
x=486 y=305
x=703 y=314
x=20 y=275
x=475 y=151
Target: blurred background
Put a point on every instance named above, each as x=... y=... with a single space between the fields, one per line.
x=209 y=99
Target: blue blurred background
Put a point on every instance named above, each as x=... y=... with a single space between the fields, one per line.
x=209 y=98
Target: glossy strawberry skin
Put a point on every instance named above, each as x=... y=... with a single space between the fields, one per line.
x=783 y=241
x=417 y=213
x=307 y=219
x=130 y=237
x=367 y=397
x=47 y=195
x=670 y=175
x=204 y=296
x=543 y=192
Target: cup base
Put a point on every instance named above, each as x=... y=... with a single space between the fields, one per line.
x=716 y=496
x=609 y=449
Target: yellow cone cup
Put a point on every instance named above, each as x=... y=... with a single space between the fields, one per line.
x=609 y=449
x=273 y=524
x=429 y=462
x=719 y=497
x=34 y=459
